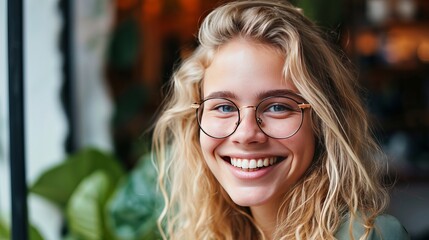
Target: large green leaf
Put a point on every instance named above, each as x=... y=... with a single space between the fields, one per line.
x=4 y=231
x=58 y=183
x=34 y=234
x=85 y=210
x=136 y=205
x=6 y=235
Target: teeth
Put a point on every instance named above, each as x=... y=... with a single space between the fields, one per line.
x=245 y=164
x=266 y=162
x=250 y=164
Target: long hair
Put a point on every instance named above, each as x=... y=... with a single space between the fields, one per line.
x=344 y=178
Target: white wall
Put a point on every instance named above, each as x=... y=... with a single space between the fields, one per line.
x=45 y=123
x=93 y=23
x=4 y=163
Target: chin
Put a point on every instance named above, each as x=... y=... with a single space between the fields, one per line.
x=250 y=197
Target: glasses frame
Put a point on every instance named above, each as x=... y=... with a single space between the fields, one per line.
x=302 y=107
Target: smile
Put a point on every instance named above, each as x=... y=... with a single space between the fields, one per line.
x=254 y=164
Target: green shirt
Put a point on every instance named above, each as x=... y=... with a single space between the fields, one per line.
x=386 y=228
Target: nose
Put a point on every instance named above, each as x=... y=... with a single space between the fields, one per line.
x=248 y=131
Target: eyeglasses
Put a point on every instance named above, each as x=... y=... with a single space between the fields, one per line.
x=277 y=116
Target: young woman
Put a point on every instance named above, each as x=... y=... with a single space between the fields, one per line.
x=263 y=136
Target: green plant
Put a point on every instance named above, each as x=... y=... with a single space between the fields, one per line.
x=101 y=201
x=136 y=205
x=81 y=185
x=6 y=235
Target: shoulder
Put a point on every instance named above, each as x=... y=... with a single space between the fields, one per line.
x=386 y=227
x=389 y=228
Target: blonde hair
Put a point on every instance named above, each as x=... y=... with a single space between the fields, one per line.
x=343 y=181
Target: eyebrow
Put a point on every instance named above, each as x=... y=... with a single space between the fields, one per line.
x=278 y=92
x=260 y=96
x=222 y=94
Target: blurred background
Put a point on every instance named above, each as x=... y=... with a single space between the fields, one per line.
x=94 y=76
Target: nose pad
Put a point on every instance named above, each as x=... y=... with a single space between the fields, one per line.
x=259 y=121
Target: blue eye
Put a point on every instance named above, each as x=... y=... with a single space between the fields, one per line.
x=220 y=107
x=279 y=108
x=226 y=108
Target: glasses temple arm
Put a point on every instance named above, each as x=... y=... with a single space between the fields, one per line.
x=304 y=105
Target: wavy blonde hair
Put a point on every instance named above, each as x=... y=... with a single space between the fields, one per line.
x=343 y=181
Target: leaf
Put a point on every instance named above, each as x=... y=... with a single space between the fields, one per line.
x=34 y=234
x=58 y=183
x=4 y=231
x=136 y=205
x=123 y=50
x=85 y=210
x=6 y=235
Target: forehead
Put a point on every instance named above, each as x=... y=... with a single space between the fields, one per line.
x=246 y=68
x=245 y=51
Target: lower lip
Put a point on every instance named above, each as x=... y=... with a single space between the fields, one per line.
x=249 y=175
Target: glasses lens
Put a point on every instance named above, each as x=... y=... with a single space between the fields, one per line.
x=279 y=117
x=218 y=117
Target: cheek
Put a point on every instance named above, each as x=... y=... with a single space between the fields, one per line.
x=303 y=145
x=208 y=146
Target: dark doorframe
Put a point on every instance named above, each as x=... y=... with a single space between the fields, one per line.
x=15 y=37
x=68 y=95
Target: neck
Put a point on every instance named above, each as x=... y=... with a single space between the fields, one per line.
x=265 y=217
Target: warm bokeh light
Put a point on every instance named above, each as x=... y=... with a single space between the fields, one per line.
x=423 y=50
x=400 y=47
x=406 y=45
x=367 y=43
x=125 y=4
x=190 y=6
x=151 y=9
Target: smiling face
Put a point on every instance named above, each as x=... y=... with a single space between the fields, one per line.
x=246 y=72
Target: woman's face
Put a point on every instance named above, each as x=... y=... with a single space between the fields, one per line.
x=246 y=72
